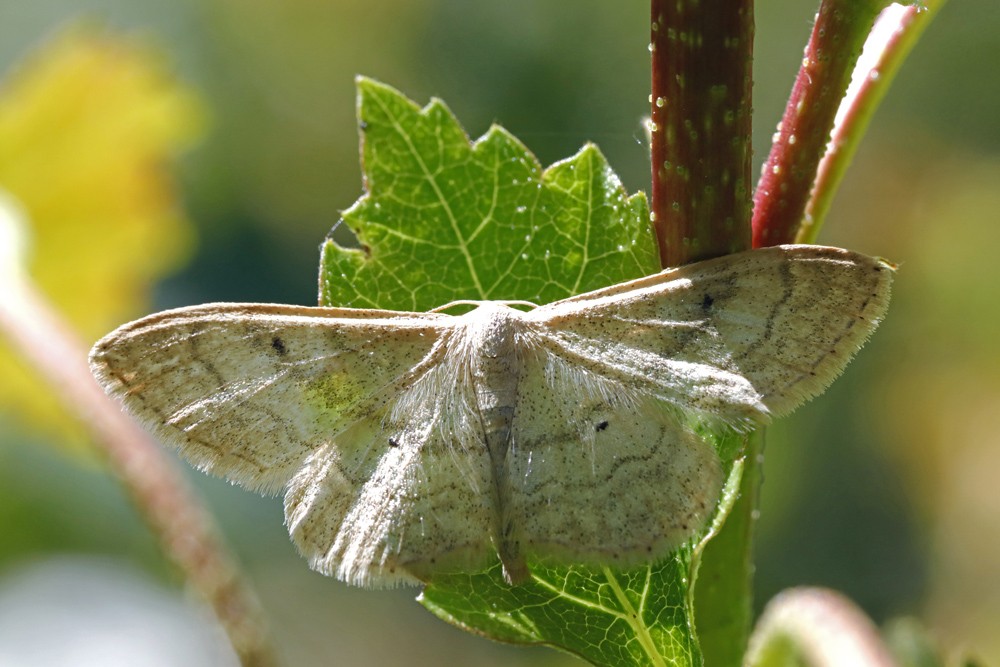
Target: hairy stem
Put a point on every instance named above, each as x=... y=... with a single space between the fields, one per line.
x=700 y=127
x=701 y=58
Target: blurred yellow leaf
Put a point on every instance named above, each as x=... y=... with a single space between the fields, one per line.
x=88 y=127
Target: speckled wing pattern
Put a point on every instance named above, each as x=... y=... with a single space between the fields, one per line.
x=273 y=396
x=246 y=391
x=414 y=443
x=737 y=337
x=619 y=376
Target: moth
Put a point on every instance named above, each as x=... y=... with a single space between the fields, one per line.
x=410 y=444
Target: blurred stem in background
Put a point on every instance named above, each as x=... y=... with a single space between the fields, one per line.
x=185 y=531
x=817 y=627
x=87 y=125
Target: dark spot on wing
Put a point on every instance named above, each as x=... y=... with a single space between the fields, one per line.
x=279 y=346
x=601 y=426
x=393 y=442
x=707 y=302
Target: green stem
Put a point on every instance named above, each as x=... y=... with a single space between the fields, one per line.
x=723 y=597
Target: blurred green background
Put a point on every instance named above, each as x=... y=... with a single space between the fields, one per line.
x=884 y=489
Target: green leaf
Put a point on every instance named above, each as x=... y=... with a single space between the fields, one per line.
x=626 y=617
x=447 y=219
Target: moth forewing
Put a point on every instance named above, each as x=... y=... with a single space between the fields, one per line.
x=737 y=337
x=248 y=391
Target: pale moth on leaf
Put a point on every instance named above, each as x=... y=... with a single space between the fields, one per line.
x=416 y=443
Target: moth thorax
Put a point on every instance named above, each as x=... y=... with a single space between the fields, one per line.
x=494 y=359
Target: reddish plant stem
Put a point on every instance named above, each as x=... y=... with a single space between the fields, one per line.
x=186 y=532
x=701 y=53
x=894 y=35
x=700 y=140
x=837 y=38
